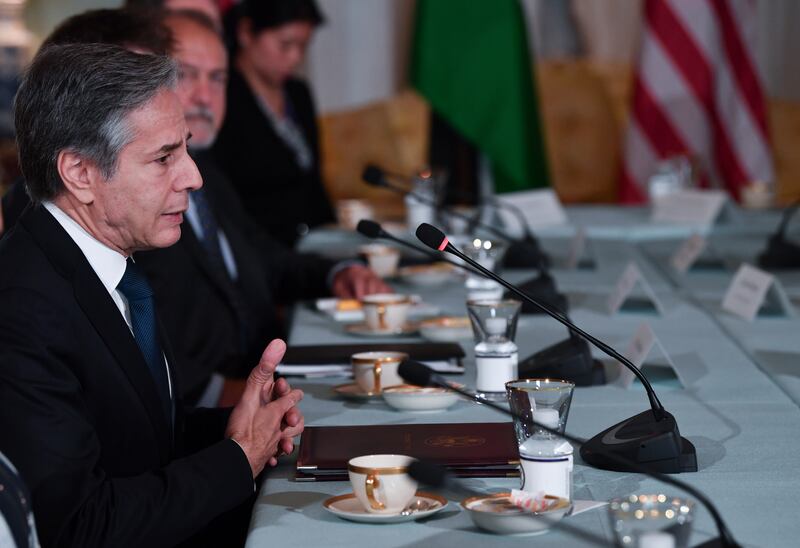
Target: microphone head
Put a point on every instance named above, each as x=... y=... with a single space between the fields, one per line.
x=415 y=373
x=370 y=229
x=432 y=237
x=428 y=473
x=373 y=175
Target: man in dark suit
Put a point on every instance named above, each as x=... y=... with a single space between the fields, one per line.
x=90 y=407
x=218 y=303
x=141 y=31
x=219 y=287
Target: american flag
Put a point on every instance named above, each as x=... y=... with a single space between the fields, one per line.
x=696 y=92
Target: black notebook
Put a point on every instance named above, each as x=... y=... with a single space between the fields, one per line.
x=329 y=354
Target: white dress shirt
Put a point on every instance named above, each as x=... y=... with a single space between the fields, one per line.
x=108 y=264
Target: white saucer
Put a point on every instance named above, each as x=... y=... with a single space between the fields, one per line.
x=347 y=507
x=363 y=330
x=407 y=397
x=496 y=513
x=428 y=275
x=352 y=391
x=446 y=329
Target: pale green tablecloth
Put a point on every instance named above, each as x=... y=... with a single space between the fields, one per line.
x=740 y=416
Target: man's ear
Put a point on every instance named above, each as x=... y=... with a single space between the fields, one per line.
x=79 y=175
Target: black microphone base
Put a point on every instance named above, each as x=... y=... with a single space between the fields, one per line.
x=780 y=255
x=657 y=445
x=542 y=288
x=569 y=360
x=525 y=254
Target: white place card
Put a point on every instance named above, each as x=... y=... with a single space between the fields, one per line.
x=751 y=289
x=539 y=207
x=629 y=279
x=689 y=207
x=686 y=255
x=637 y=352
x=576 y=249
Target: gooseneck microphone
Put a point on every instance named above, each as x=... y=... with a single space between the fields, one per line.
x=373 y=230
x=570 y=359
x=651 y=437
x=435 y=239
x=377 y=176
x=524 y=253
x=421 y=375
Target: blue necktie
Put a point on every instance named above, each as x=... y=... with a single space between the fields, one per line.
x=143 y=322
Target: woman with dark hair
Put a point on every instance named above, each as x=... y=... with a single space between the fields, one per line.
x=268 y=144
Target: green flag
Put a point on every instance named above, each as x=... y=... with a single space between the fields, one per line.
x=470 y=60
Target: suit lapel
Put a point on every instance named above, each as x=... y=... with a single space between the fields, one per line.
x=219 y=278
x=101 y=311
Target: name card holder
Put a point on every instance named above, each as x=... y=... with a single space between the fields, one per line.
x=621 y=298
x=640 y=348
x=753 y=292
x=541 y=208
x=689 y=207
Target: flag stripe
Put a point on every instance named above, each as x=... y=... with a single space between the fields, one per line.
x=691 y=61
x=740 y=61
x=738 y=127
x=659 y=130
x=696 y=92
x=669 y=88
x=629 y=191
x=639 y=154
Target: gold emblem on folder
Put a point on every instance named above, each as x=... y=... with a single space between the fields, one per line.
x=455 y=441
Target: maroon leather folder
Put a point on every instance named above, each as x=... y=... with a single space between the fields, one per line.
x=467 y=449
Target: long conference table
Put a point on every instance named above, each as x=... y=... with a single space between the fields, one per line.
x=741 y=408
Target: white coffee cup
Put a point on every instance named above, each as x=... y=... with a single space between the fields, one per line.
x=374 y=371
x=385 y=311
x=382 y=259
x=381 y=482
x=349 y=212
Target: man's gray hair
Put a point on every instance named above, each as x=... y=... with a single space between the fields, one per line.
x=77 y=97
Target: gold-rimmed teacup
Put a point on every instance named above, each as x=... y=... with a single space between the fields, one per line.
x=385 y=311
x=374 y=371
x=382 y=259
x=381 y=482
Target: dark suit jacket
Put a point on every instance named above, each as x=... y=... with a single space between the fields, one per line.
x=13 y=203
x=275 y=191
x=216 y=325
x=79 y=413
